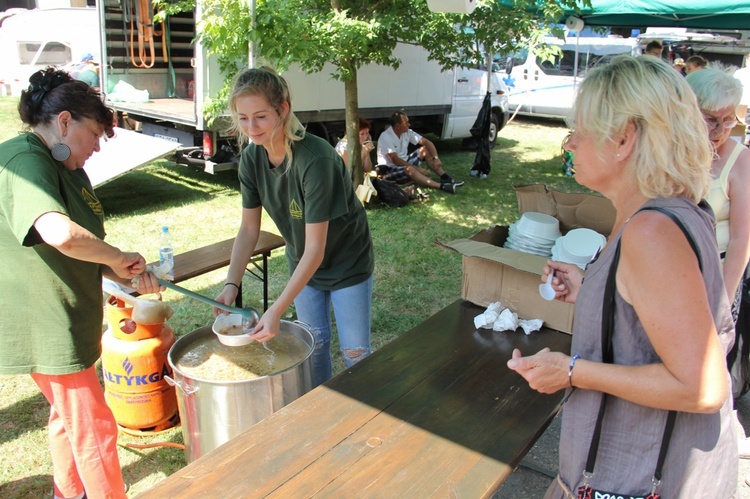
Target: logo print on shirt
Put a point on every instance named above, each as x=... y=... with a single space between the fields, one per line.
x=294 y=210
x=91 y=200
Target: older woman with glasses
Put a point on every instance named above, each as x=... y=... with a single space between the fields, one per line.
x=719 y=94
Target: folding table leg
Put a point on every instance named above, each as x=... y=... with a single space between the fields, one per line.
x=238 y=300
x=265 y=281
x=261 y=273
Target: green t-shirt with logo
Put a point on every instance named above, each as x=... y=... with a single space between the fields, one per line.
x=315 y=188
x=52 y=311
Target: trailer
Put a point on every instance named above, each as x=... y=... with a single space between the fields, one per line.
x=180 y=77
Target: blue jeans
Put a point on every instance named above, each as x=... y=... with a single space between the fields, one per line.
x=352 y=307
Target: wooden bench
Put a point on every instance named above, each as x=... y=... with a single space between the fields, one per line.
x=217 y=255
x=436 y=412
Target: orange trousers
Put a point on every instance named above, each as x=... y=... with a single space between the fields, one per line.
x=82 y=436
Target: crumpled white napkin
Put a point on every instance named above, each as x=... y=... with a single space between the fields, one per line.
x=529 y=326
x=499 y=318
x=506 y=321
x=488 y=318
x=161 y=271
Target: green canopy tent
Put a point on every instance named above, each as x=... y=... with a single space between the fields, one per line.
x=715 y=14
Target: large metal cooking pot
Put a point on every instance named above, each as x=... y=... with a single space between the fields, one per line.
x=212 y=412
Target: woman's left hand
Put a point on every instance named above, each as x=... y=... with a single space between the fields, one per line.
x=546 y=371
x=148 y=283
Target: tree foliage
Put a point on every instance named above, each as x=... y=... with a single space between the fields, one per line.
x=494 y=26
x=349 y=34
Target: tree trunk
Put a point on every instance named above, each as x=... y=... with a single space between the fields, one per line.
x=488 y=64
x=354 y=149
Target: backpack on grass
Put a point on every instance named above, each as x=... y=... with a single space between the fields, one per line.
x=389 y=193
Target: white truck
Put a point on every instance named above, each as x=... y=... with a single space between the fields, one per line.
x=546 y=88
x=443 y=103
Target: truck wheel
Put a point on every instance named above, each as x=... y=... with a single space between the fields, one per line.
x=494 y=129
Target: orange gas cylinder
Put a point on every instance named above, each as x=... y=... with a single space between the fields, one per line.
x=134 y=363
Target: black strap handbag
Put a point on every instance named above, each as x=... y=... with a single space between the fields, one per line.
x=585 y=491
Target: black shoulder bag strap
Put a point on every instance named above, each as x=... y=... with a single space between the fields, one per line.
x=608 y=327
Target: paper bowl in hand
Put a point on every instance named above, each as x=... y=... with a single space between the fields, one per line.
x=228 y=328
x=578 y=246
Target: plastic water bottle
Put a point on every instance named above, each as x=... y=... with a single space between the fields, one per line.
x=166 y=251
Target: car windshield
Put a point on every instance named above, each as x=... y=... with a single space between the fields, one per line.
x=588 y=57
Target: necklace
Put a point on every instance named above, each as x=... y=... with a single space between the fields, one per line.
x=620 y=226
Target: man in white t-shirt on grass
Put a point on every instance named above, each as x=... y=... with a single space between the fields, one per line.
x=393 y=151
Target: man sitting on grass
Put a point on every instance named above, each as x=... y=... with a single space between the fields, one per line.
x=395 y=163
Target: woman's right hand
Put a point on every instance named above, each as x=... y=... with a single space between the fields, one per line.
x=227 y=297
x=567 y=280
x=545 y=371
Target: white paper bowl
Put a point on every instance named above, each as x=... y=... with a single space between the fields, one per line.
x=225 y=321
x=513 y=233
x=583 y=242
x=579 y=246
x=540 y=225
x=527 y=248
x=559 y=255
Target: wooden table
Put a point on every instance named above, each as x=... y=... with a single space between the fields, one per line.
x=435 y=412
x=217 y=255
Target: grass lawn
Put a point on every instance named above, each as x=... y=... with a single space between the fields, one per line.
x=413 y=277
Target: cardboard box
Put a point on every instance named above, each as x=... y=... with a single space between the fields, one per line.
x=492 y=273
x=741 y=112
x=740 y=129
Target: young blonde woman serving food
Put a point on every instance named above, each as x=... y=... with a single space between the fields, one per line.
x=306 y=189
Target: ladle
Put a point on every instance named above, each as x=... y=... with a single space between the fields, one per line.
x=250 y=315
x=145 y=311
x=545 y=289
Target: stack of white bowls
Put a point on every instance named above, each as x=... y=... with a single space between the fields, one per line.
x=578 y=246
x=533 y=233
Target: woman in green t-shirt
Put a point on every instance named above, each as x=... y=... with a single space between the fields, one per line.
x=304 y=186
x=53 y=257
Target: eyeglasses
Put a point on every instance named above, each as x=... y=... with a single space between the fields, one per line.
x=714 y=125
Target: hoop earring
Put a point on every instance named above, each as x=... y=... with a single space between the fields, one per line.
x=60 y=152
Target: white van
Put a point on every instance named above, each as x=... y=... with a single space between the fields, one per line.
x=34 y=39
x=544 y=88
